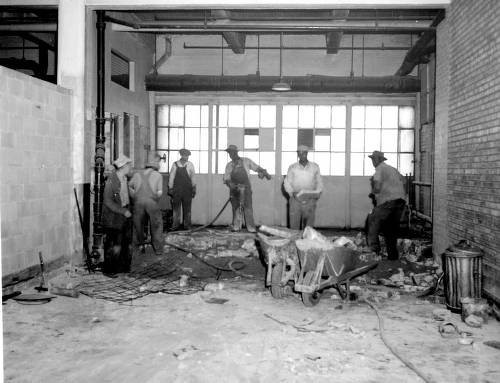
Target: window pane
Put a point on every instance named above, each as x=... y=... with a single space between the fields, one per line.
x=372 y=140
x=252 y=117
x=203 y=162
x=162 y=138
x=389 y=140
x=338 y=116
x=235 y=119
x=251 y=139
x=203 y=139
x=306 y=116
x=267 y=161
x=373 y=117
x=192 y=138
x=357 y=161
x=162 y=115
x=204 y=116
x=223 y=160
x=214 y=163
x=337 y=164
x=223 y=115
x=254 y=156
x=289 y=139
x=214 y=115
x=322 y=140
x=287 y=159
x=357 y=140
x=358 y=117
x=305 y=137
x=407 y=138
x=222 y=138
x=392 y=159
x=195 y=159
x=163 y=165
x=214 y=138
x=406 y=164
x=338 y=140
x=322 y=116
x=290 y=116
x=177 y=115
x=267 y=116
x=171 y=158
x=193 y=115
x=406 y=117
x=389 y=117
x=323 y=160
x=176 y=138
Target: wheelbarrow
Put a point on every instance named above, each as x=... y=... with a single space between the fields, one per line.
x=323 y=265
x=280 y=255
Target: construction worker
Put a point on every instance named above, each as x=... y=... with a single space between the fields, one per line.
x=304 y=185
x=182 y=189
x=389 y=194
x=116 y=218
x=146 y=188
x=236 y=177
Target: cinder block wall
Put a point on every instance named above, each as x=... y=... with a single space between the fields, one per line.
x=474 y=131
x=36 y=171
x=440 y=202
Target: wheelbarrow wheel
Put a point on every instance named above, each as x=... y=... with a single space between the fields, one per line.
x=311 y=299
x=277 y=291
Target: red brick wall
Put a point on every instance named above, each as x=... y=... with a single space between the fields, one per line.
x=474 y=130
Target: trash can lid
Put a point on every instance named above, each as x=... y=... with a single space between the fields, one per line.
x=465 y=248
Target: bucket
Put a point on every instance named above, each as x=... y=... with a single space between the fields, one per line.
x=462 y=274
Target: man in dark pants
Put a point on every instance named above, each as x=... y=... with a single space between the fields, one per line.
x=389 y=193
x=182 y=189
x=146 y=188
x=116 y=219
x=240 y=191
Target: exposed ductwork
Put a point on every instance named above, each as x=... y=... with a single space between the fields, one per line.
x=253 y=83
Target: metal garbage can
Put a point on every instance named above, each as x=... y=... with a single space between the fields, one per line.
x=462 y=274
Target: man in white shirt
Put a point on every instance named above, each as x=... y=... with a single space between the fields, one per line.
x=182 y=189
x=389 y=193
x=236 y=177
x=304 y=185
x=146 y=188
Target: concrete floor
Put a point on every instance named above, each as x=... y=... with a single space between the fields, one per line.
x=252 y=337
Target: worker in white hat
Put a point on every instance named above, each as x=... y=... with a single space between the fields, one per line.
x=115 y=218
x=236 y=177
x=304 y=185
x=146 y=189
x=182 y=189
x=389 y=198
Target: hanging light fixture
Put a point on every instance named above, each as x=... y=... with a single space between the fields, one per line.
x=281 y=86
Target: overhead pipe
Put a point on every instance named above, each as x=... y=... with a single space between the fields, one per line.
x=50 y=27
x=298 y=48
x=100 y=148
x=253 y=83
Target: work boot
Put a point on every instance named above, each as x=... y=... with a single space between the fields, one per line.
x=251 y=229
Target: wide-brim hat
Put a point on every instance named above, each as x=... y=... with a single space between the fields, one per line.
x=232 y=148
x=121 y=161
x=184 y=152
x=302 y=148
x=377 y=154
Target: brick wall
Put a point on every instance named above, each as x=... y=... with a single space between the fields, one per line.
x=36 y=174
x=440 y=203
x=473 y=177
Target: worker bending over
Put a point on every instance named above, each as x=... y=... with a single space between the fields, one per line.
x=389 y=193
x=236 y=177
x=304 y=185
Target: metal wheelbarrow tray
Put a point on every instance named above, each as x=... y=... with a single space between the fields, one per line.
x=280 y=255
x=324 y=265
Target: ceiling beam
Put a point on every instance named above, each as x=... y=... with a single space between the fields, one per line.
x=333 y=38
x=236 y=40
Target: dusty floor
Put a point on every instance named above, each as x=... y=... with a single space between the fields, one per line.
x=251 y=337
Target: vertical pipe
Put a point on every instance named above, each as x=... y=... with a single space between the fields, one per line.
x=97 y=247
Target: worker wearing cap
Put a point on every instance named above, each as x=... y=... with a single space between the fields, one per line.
x=182 y=189
x=146 y=188
x=236 y=177
x=389 y=194
x=116 y=218
x=304 y=185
